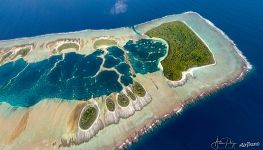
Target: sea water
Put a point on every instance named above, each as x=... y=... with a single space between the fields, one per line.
x=235 y=111
x=68 y=76
x=144 y=54
x=73 y=76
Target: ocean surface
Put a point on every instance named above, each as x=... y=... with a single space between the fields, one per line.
x=235 y=111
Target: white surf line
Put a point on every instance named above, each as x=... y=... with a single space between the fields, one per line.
x=191 y=70
x=249 y=66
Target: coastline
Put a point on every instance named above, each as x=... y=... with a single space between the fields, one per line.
x=190 y=71
x=246 y=68
x=148 y=122
x=154 y=123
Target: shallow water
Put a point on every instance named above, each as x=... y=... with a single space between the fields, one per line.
x=73 y=76
x=235 y=111
x=145 y=54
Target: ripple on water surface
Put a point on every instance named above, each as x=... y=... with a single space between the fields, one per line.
x=72 y=76
x=75 y=76
x=145 y=54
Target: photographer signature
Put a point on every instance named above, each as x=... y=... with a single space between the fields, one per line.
x=228 y=143
x=223 y=143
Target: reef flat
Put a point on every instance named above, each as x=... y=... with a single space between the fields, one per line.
x=117 y=117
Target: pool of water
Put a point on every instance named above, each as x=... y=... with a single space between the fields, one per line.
x=145 y=54
x=74 y=76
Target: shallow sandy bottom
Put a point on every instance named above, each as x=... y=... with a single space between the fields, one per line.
x=45 y=124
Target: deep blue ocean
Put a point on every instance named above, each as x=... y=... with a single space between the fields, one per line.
x=235 y=111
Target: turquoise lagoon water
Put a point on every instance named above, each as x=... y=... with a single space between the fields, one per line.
x=234 y=112
x=74 y=76
x=145 y=54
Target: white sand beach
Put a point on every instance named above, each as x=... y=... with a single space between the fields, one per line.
x=49 y=122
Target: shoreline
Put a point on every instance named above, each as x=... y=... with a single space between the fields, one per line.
x=147 y=123
x=154 y=123
x=190 y=71
x=119 y=28
x=84 y=30
x=59 y=33
x=249 y=66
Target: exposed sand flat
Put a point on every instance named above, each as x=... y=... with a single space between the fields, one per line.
x=19 y=128
x=74 y=117
x=46 y=123
x=44 y=44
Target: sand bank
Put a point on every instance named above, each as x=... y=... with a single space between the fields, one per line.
x=45 y=124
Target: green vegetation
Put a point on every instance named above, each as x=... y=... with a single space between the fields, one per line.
x=101 y=42
x=138 y=89
x=88 y=117
x=110 y=104
x=186 y=49
x=123 y=100
x=68 y=46
x=130 y=94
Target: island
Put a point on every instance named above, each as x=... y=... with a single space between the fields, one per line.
x=102 y=89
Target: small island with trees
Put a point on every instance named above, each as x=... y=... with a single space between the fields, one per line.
x=186 y=49
x=95 y=92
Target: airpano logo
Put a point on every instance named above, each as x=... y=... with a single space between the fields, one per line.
x=249 y=144
x=227 y=143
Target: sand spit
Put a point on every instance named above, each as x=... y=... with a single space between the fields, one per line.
x=51 y=121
